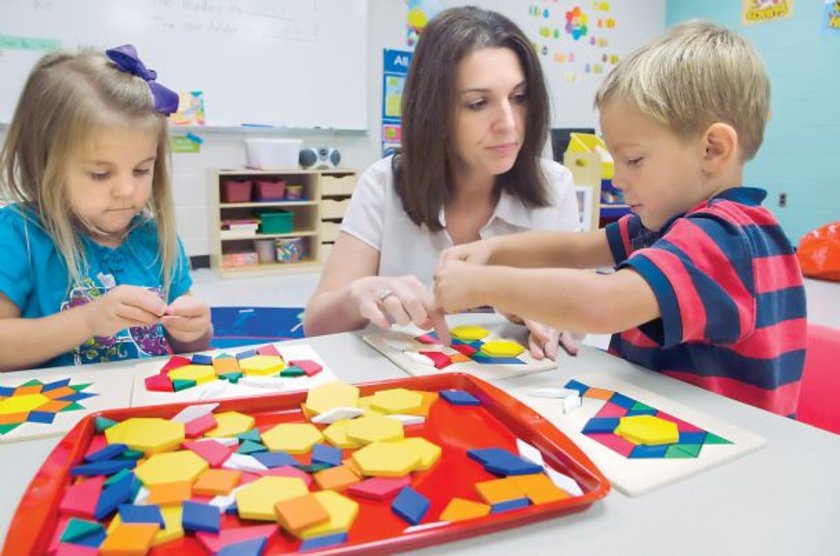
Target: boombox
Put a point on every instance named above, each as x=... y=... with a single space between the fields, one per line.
x=322 y=157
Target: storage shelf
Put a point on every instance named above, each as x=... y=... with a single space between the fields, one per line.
x=293 y=233
x=270 y=268
x=302 y=203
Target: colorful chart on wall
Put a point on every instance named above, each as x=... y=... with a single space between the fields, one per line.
x=221 y=374
x=46 y=403
x=639 y=440
x=474 y=350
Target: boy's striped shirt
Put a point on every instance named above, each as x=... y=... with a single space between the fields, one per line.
x=730 y=295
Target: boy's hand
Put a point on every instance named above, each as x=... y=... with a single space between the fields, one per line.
x=123 y=307
x=187 y=319
x=543 y=341
x=455 y=286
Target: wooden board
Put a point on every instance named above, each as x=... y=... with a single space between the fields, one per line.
x=384 y=342
x=638 y=475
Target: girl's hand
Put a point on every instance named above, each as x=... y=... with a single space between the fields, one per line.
x=187 y=319
x=123 y=307
x=401 y=300
x=544 y=340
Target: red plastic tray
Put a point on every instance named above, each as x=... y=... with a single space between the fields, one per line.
x=496 y=423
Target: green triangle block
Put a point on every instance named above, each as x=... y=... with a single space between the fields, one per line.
x=249 y=447
x=693 y=450
x=313 y=467
x=292 y=371
x=116 y=476
x=639 y=406
x=224 y=355
x=103 y=423
x=78 y=529
x=179 y=384
x=131 y=454
x=673 y=452
x=80 y=387
x=253 y=435
x=712 y=438
x=8 y=428
x=33 y=382
x=233 y=378
x=72 y=407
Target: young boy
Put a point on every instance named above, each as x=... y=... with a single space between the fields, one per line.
x=706 y=287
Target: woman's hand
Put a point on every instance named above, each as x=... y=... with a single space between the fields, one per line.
x=402 y=300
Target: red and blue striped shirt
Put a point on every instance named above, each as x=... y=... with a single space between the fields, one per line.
x=731 y=299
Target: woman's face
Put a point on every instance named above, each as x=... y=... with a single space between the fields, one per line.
x=492 y=99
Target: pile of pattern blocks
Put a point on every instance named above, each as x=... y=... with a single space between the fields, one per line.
x=235 y=486
x=260 y=367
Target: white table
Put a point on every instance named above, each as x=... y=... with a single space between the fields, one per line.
x=783 y=499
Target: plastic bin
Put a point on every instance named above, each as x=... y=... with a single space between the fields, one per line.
x=237 y=191
x=266 y=250
x=270 y=190
x=290 y=249
x=268 y=154
x=276 y=222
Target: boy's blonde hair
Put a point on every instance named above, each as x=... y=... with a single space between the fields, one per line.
x=65 y=99
x=695 y=75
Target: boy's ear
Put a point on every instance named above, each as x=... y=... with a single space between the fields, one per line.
x=721 y=144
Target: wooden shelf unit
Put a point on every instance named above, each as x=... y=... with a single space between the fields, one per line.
x=320 y=188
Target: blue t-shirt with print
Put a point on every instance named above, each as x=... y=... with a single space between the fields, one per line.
x=34 y=277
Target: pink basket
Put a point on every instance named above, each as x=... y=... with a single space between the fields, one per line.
x=273 y=190
x=236 y=191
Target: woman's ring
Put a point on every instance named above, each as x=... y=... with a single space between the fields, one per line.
x=384 y=293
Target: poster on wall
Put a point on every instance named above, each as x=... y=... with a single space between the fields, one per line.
x=830 y=21
x=761 y=11
x=394 y=71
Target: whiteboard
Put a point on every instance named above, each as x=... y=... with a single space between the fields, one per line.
x=290 y=63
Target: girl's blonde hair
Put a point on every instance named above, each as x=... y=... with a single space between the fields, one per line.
x=66 y=98
x=695 y=75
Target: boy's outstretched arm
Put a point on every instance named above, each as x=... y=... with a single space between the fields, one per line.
x=565 y=299
x=537 y=250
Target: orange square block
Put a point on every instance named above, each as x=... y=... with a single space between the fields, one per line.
x=129 y=539
x=169 y=494
x=539 y=488
x=336 y=478
x=216 y=482
x=498 y=490
x=297 y=514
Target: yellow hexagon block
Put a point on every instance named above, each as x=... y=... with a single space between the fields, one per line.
x=387 y=459
x=364 y=404
x=468 y=333
x=336 y=434
x=172 y=467
x=294 y=438
x=256 y=500
x=647 y=430
x=147 y=434
x=330 y=395
x=230 y=423
x=374 y=428
x=342 y=512
x=502 y=348
x=396 y=400
x=429 y=452
x=199 y=373
x=262 y=365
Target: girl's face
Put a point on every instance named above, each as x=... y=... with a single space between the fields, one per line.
x=492 y=99
x=112 y=181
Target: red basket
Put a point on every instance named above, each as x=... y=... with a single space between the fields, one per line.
x=270 y=190
x=237 y=191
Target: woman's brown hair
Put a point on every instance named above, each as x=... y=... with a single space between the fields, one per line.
x=422 y=174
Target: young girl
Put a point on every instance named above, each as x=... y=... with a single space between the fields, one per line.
x=92 y=269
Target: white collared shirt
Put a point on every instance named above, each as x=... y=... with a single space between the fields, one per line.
x=376 y=216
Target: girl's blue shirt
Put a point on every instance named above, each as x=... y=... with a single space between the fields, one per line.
x=34 y=276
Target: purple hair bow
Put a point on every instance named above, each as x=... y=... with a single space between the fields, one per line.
x=126 y=59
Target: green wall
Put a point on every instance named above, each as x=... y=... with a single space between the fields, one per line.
x=801 y=152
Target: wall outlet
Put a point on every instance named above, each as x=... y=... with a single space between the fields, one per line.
x=782 y=200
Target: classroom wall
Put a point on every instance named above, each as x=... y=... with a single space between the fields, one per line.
x=799 y=156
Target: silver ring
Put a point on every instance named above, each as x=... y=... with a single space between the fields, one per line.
x=383 y=293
